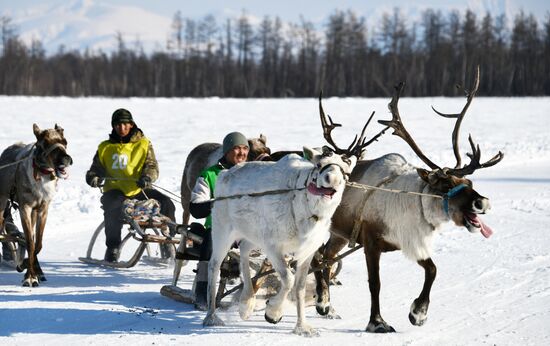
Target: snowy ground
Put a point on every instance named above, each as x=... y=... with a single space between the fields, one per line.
x=488 y=291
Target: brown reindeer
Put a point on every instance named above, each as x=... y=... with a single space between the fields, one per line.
x=29 y=176
x=382 y=221
x=207 y=154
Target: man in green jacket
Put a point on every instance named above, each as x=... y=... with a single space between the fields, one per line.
x=128 y=162
x=235 y=150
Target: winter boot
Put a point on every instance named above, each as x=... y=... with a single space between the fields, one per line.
x=201 y=286
x=111 y=255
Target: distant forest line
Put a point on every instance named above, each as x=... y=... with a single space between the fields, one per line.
x=204 y=58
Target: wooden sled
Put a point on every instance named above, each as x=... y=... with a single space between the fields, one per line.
x=229 y=273
x=147 y=233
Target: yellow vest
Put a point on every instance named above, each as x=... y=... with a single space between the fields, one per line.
x=124 y=161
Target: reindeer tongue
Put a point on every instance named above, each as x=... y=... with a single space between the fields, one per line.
x=485 y=230
x=320 y=191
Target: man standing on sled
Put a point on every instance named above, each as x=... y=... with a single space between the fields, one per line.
x=235 y=150
x=125 y=165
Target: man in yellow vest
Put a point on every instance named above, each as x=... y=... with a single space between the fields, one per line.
x=128 y=162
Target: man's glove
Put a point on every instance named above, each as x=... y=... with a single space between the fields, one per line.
x=144 y=182
x=96 y=181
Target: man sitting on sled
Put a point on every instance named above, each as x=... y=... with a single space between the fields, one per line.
x=125 y=165
x=235 y=150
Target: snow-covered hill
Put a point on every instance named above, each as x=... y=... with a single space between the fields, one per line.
x=94 y=24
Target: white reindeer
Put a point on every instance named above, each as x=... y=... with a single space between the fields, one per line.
x=283 y=208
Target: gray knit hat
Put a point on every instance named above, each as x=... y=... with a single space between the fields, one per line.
x=120 y=116
x=233 y=139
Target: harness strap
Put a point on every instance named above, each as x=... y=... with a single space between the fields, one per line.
x=358 y=220
x=452 y=192
x=52 y=148
x=261 y=157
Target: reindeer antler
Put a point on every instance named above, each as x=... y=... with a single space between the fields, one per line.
x=474 y=161
x=399 y=130
x=475 y=155
x=356 y=147
x=459 y=116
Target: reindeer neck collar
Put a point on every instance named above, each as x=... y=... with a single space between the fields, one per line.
x=452 y=192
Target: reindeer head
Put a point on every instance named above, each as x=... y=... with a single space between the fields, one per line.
x=258 y=149
x=51 y=150
x=334 y=164
x=331 y=171
x=461 y=202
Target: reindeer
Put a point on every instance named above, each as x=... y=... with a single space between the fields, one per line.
x=29 y=177
x=207 y=154
x=283 y=208
x=382 y=221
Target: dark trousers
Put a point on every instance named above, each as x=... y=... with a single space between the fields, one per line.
x=111 y=202
x=206 y=246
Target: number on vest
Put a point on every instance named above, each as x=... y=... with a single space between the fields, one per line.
x=119 y=161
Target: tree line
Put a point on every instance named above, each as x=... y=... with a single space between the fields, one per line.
x=205 y=58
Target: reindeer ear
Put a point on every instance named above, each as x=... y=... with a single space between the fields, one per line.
x=59 y=129
x=263 y=139
x=308 y=153
x=424 y=174
x=36 y=130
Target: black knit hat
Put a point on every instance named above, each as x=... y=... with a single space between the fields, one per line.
x=121 y=115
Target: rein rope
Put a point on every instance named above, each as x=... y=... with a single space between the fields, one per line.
x=175 y=198
x=258 y=194
x=370 y=187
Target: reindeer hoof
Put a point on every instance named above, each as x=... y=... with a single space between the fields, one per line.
x=416 y=321
x=212 y=320
x=30 y=282
x=306 y=330
x=380 y=327
x=322 y=310
x=335 y=282
x=272 y=320
x=418 y=313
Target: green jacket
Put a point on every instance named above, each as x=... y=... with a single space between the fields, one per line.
x=210 y=175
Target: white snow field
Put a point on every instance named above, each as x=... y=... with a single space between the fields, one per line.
x=492 y=291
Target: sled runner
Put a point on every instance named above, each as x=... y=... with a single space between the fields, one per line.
x=13 y=248
x=146 y=225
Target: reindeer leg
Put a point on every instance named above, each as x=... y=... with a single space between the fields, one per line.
x=26 y=221
x=322 y=278
x=274 y=306
x=221 y=243
x=419 y=307
x=40 y=218
x=247 y=300
x=302 y=328
x=376 y=322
